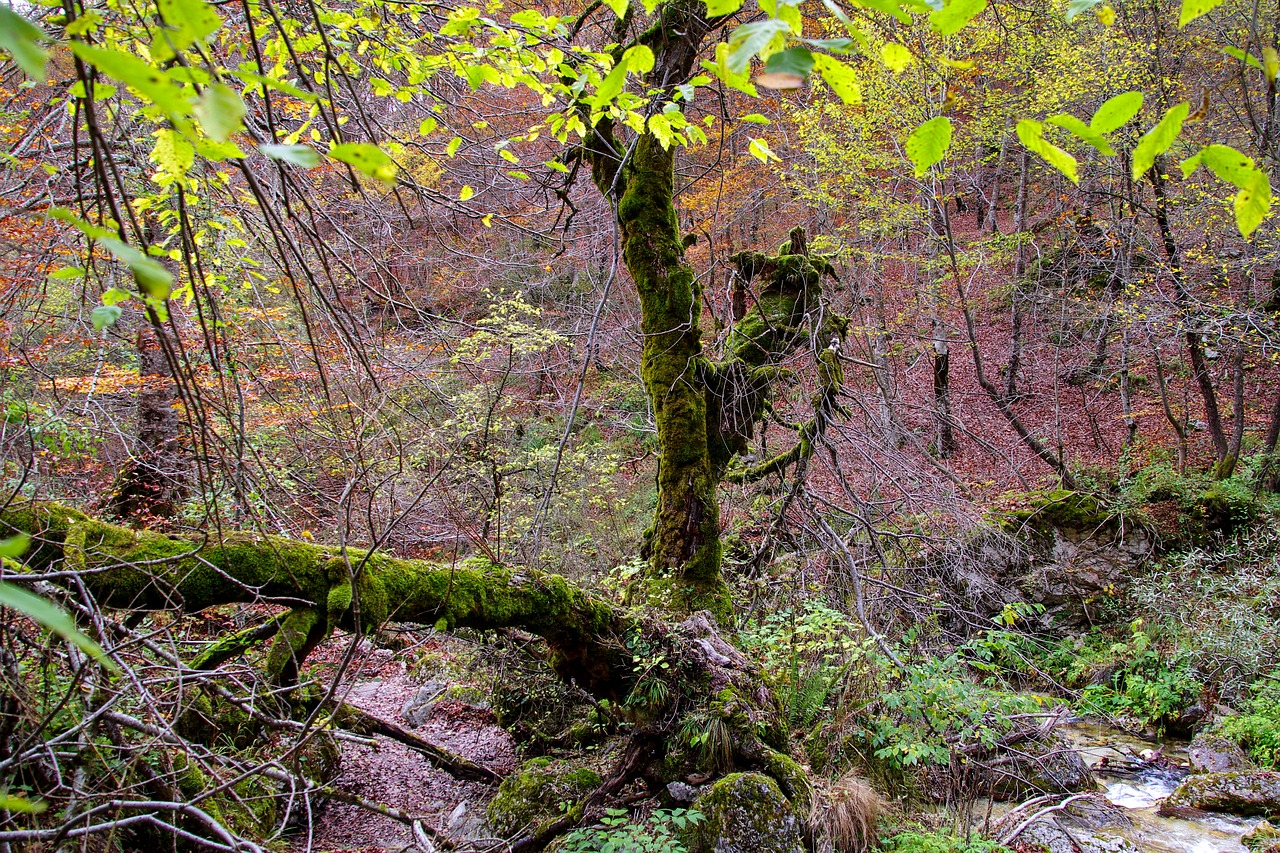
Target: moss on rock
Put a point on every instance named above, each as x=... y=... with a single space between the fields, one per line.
x=540 y=792
x=745 y=813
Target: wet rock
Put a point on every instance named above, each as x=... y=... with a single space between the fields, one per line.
x=1058 y=836
x=1263 y=838
x=1042 y=766
x=417 y=709
x=745 y=813
x=468 y=824
x=1097 y=812
x=1246 y=794
x=1216 y=754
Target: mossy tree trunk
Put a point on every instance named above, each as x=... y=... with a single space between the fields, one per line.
x=704 y=411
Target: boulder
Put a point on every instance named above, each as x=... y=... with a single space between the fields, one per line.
x=1059 y=836
x=745 y=813
x=419 y=707
x=1044 y=765
x=1244 y=793
x=1210 y=753
x=537 y=794
x=1062 y=550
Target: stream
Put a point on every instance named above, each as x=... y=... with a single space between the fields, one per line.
x=1141 y=790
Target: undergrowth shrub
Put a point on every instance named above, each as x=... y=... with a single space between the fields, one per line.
x=617 y=834
x=938 y=842
x=1258 y=730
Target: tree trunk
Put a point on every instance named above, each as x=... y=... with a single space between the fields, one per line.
x=153 y=484
x=1195 y=343
x=946 y=440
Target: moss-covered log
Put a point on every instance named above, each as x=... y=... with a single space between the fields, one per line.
x=136 y=569
x=667 y=679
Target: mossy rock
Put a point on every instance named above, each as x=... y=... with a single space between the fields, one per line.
x=1248 y=794
x=745 y=813
x=1035 y=767
x=1262 y=838
x=1060 y=508
x=538 y=793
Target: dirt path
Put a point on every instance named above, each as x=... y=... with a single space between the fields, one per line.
x=396 y=776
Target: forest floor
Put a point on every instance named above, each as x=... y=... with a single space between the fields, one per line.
x=394 y=775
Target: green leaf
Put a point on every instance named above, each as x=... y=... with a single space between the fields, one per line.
x=173 y=154
x=1031 y=134
x=220 y=111
x=22 y=39
x=754 y=118
x=366 y=158
x=105 y=315
x=44 y=612
x=795 y=60
x=761 y=151
x=1078 y=7
x=1083 y=132
x=186 y=22
x=896 y=57
x=889 y=7
x=749 y=39
x=1225 y=162
x=638 y=59
x=1116 y=112
x=1192 y=9
x=297 y=155
x=1244 y=56
x=147 y=81
x=1252 y=203
x=619 y=7
x=22 y=805
x=152 y=278
x=1158 y=139
x=928 y=144
x=951 y=18
x=67 y=274
x=786 y=69
x=15 y=546
x=719 y=8
x=466 y=193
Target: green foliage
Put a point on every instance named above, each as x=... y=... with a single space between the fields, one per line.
x=912 y=841
x=1258 y=730
x=617 y=834
x=805 y=653
x=935 y=707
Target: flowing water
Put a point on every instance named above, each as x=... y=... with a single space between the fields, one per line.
x=1122 y=764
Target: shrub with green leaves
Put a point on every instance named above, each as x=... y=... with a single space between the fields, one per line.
x=1258 y=730
x=617 y=834
x=938 y=842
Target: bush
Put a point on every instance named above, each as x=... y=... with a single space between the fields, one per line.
x=938 y=842
x=618 y=834
x=1258 y=731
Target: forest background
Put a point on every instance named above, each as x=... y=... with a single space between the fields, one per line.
x=339 y=274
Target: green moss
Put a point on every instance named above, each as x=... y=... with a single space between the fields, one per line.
x=539 y=793
x=1061 y=508
x=744 y=811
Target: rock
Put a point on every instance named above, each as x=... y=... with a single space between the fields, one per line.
x=467 y=824
x=536 y=793
x=1264 y=836
x=1059 y=549
x=1044 y=766
x=1097 y=812
x=417 y=709
x=1056 y=836
x=1246 y=794
x=1216 y=754
x=745 y=813
x=682 y=792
